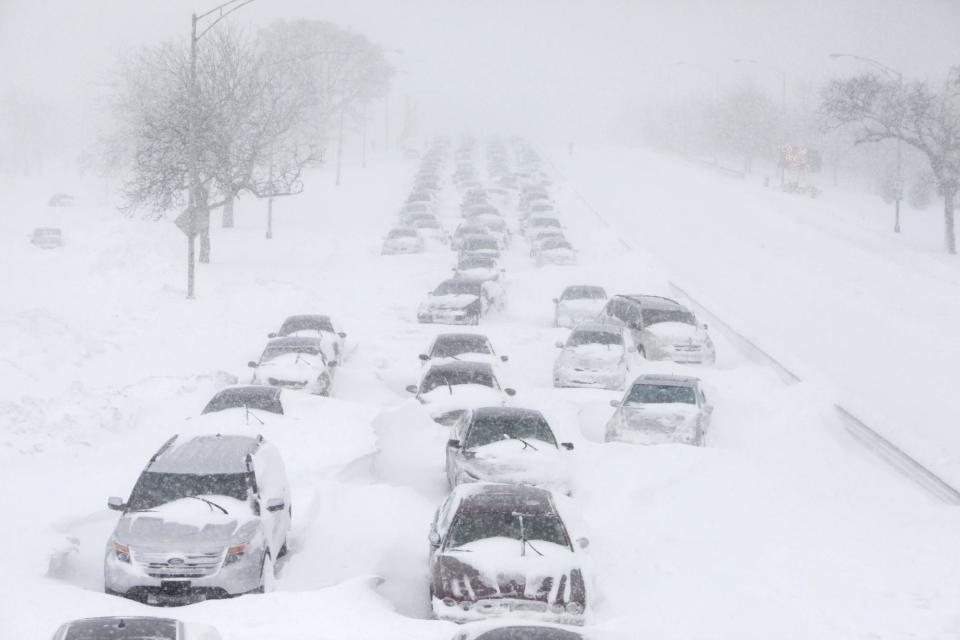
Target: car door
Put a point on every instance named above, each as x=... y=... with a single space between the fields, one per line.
x=454 y=457
x=272 y=485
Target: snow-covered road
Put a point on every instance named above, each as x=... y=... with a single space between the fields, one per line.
x=780 y=528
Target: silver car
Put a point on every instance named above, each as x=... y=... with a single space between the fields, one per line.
x=594 y=355
x=295 y=363
x=402 y=240
x=662 y=329
x=658 y=409
x=208 y=518
x=578 y=303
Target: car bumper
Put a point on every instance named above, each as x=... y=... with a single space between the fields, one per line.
x=131 y=581
x=493 y=608
x=651 y=436
x=701 y=355
x=446 y=317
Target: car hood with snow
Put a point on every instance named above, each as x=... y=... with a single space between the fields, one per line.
x=189 y=524
x=655 y=423
x=530 y=462
x=592 y=356
x=290 y=368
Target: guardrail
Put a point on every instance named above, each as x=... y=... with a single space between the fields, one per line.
x=863 y=433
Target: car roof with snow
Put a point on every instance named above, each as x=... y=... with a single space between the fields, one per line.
x=460 y=338
x=295 y=341
x=251 y=396
x=667 y=379
x=206 y=454
x=498 y=498
x=495 y=413
x=654 y=302
x=307 y=321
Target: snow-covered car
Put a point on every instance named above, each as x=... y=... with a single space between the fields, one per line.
x=460 y=301
x=594 y=355
x=208 y=518
x=474 y=347
x=578 y=303
x=533 y=223
x=494 y=225
x=503 y=550
x=134 y=628
x=246 y=396
x=507 y=444
x=315 y=326
x=448 y=389
x=538 y=237
x=423 y=195
x=402 y=240
x=554 y=251
x=464 y=230
x=61 y=200
x=517 y=630
x=431 y=229
x=661 y=408
x=411 y=209
x=479 y=245
x=46 y=238
x=662 y=329
x=476 y=207
x=295 y=363
x=478 y=268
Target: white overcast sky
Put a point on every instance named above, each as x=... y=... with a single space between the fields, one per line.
x=556 y=65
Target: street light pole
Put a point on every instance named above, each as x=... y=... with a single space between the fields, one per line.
x=898 y=188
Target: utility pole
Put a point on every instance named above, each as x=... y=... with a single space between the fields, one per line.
x=889 y=71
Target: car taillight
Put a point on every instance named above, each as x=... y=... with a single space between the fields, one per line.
x=121 y=551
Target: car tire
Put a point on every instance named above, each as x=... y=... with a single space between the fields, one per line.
x=326 y=385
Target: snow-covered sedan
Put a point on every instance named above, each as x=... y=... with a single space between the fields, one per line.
x=431 y=229
x=578 y=303
x=464 y=230
x=503 y=550
x=480 y=245
x=662 y=329
x=554 y=251
x=402 y=240
x=314 y=326
x=517 y=630
x=594 y=355
x=46 y=238
x=460 y=301
x=478 y=268
x=507 y=444
x=208 y=518
x=134 y=628
x=475 y=347
x=448 y=389
x=295 y=363
x=661 y=408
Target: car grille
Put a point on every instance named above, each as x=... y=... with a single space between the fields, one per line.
x=163 y=564
x=687 y=347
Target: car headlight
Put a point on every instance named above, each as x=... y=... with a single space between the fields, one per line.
x=235 y=553
x=121 y=551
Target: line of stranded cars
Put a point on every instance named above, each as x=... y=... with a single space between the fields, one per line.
x=210 y=514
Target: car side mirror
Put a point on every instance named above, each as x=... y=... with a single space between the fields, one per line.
x=424 y=357
x=567 y=445
x=272 y=335
x=504 y=358
x=411 y=388
x=583 y=543
x=453 y=444
x=708 y=408
x=342 y=334
x=510 y=392
x=115 y=503
x=275 y=504
x=252 y=364
x=434 y=538
x=558 y=344
x=705 y=327
x=615 y=404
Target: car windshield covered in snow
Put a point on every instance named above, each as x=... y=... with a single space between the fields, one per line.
x=555 y=243
x=477 y=262
x=458 y=287
x=470 y=526
x=580 y=337
x=584 y=293
x=449 y=346
x=661 y=393
x=453 y=376
x=122 y=629
x=654 y=316
x=480 y=243
x=305 y=323
x=493 y=426
x=154 y=489
x=252 y=397
x=529 y=633
x=272 y=351
x=401 y=233
x=545 y=222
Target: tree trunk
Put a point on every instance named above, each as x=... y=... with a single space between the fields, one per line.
x=951 y=236
x=205 y=245
x=228 y=212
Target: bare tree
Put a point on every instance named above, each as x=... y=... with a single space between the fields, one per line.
x=881 y=108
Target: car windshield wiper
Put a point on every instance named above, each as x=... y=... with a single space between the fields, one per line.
x=510 y=436
x=524 y=543
x=248 y=413
x=210 y=503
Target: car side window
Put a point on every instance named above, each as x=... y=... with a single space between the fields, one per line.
x=634 y=318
